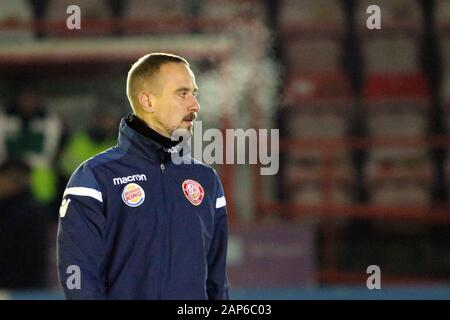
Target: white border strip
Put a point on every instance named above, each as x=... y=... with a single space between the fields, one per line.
x=220 y=202
x=85 y=192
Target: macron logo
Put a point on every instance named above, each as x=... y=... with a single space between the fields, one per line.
x=135 y=177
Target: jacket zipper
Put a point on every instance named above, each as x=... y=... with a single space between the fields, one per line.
x=163 y=224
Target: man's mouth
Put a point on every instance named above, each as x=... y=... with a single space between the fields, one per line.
x=190 y=118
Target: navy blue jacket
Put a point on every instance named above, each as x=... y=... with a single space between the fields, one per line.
x=136 y=226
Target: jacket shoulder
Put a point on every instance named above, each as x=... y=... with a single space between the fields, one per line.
x=109 y=155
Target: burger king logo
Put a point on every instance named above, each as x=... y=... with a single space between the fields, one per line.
x=193 y=191
x=133 y=195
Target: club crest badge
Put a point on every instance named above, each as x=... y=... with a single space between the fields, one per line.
x=133 y=195
x=193 y=191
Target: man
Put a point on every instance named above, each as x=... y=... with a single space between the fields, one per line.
x=133 y=225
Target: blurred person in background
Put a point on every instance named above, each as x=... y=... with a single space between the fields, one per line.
x=133 y=225
x=100 y=134
x=33 y=134
x=23 y=230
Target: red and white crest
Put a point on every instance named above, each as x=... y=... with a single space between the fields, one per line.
x=193 y=191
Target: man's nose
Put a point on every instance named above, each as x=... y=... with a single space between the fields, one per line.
x=194 y=106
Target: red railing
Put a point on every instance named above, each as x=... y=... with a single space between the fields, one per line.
x=328 y=211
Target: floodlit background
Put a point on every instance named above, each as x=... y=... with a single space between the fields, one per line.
x=363 y=118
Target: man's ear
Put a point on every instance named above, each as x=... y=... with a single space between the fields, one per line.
x=146 y=101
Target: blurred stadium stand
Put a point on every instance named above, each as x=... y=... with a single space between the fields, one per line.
x=12 y=14
x=398 y=16
x=363 y=115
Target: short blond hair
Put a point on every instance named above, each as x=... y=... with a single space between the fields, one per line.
x=145 y=68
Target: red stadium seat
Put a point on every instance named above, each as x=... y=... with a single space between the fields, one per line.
x=396 y=15
x=155 y=16
x=395 y=86
x=312 y=87
x=312 y=55
x=391 y=53
x=15 y=20
x=306 y=176
x=399 y=176
x=306 y=15
x=231 y=10
x=95 y=17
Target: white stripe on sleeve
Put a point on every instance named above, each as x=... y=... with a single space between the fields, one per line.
x=220 y=202
x=85 y=192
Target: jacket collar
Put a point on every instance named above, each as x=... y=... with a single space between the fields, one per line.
x=132 y=142
x=137 y=124
x=137 y=144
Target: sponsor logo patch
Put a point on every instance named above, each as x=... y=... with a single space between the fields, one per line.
x=193 y=191
x=133 y=195
x=128 y=179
